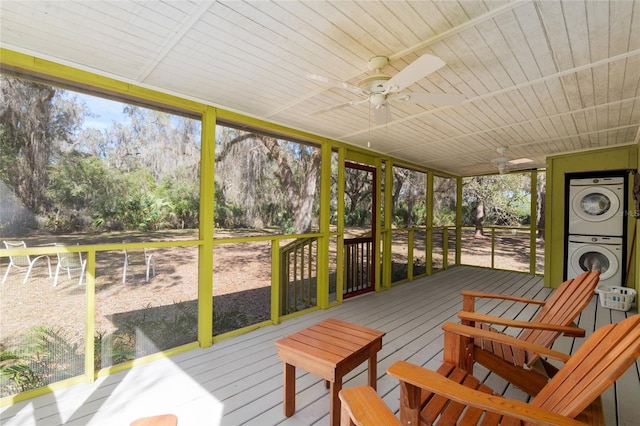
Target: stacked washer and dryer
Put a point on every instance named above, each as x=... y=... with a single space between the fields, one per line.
x=596 y=227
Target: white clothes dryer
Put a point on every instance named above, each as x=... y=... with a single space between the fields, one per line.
x=596 y=206
x=587 y=253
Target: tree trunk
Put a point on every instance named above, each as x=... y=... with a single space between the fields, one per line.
x=542 y=201
x=304 y=214
x=300 y=196
x=479 y=219
x=25 y=118
x=300 y=199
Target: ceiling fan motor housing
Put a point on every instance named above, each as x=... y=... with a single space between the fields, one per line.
x=376 y=83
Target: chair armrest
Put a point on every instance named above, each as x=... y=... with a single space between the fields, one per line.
x=434 y=382
x=42 y=256
x=362 y=406
x=479 y=295
x=567 y=330
x=473 y=332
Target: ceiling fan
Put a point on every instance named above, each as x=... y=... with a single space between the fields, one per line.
x=504 y=163
x=378 y=89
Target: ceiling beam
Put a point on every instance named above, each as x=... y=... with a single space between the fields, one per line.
x=171 y=42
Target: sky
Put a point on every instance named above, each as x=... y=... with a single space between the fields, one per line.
x=106 y=111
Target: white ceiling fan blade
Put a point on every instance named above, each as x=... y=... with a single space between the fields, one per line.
x=520 y=161
x=339 y=106
x=331 y=108
x=528 y=166
x=335 y=83
x=429 y=98
x=421 y=67
x=382 y=114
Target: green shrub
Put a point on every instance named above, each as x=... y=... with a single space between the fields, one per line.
x=232 y=319
x=44 y=355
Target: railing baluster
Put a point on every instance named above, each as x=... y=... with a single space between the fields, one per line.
x=358 y=254
x=296 y=274
x=309 y=266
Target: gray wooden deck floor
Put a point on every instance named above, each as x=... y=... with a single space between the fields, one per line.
x=239 y=381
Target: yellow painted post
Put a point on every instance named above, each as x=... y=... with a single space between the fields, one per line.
x=378 y=279
x=388 y=213
x=493 y=247
x=340 y=266
x=636 y=219
x=534 y=222
x=445 y=247
x=90 y=320
x=547 y=228
x=458 y=220
x=429 y=234
x=411 y=233
x=205 y=250
x=322 y=288
x=275 y=281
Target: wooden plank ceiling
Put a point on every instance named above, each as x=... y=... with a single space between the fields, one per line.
x=539 y=77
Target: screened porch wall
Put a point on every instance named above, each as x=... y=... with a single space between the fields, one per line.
x=97 y=353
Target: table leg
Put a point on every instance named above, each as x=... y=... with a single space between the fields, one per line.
x=373 y=371
x=334 y=409
x=289 y=389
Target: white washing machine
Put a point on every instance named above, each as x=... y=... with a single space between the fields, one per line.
x=596 y=206
x=586 y=253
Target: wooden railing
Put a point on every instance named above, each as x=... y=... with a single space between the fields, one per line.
x=298 y=275
x=502 y=247
x=358 y=265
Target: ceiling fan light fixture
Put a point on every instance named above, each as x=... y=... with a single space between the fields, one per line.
x=502 y=168
x=377 y=100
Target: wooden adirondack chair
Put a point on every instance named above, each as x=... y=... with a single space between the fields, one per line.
x=524 y=368
x=452 y=396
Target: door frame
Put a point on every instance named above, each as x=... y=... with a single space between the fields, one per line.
x=374 y=218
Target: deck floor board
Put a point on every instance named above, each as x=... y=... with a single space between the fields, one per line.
x=238 y=381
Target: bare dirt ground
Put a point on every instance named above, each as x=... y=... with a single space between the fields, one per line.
x=242 y=282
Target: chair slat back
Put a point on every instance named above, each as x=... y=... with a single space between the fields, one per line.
x=136 y=256
x=564 y=306
x=69 y=260
x=599 y=362
x=22 y=260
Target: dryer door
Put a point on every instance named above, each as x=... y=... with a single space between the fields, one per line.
x=590 y=257
x=595 y=204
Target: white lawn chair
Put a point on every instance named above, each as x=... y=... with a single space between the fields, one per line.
x=133 y=257
x=71 y=261
x=21 y=262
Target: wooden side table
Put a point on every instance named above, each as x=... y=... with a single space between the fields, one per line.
x=329 y=350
